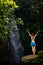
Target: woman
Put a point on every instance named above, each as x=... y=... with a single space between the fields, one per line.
x=33 y=44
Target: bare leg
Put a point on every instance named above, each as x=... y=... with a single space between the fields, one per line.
x=33 y=50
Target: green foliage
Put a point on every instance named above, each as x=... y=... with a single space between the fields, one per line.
x=40 y=53
x=19 y=21
x=6 y=8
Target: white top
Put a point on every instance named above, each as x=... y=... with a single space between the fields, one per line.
x=32 y=41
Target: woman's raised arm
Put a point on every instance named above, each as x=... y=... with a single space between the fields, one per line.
x=37 y=33
x=28 y=32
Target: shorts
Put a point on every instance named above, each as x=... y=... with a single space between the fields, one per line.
x=32 y=44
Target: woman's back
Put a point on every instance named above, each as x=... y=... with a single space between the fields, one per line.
x=33 y=38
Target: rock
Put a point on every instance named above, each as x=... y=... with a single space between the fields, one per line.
x=29 y=57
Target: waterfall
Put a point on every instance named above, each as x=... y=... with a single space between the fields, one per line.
x=15 y=47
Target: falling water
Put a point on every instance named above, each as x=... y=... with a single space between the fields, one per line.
x=15 y=47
